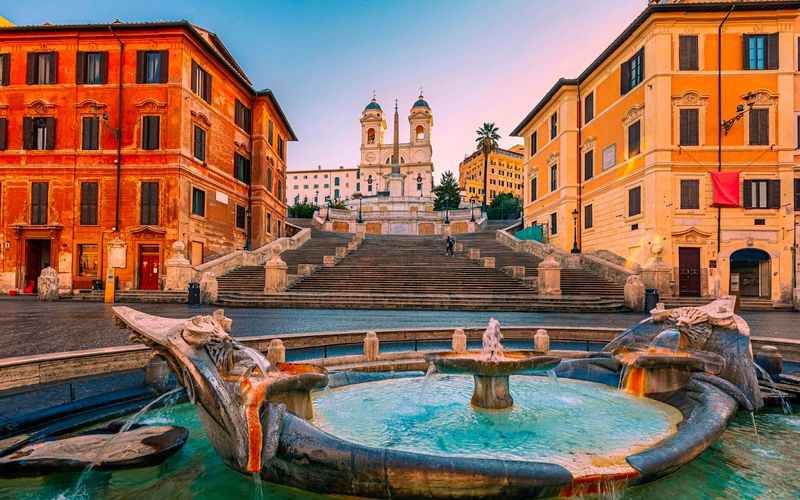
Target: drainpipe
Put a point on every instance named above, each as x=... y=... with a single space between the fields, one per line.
x=719 y=121
x=579 y=219
x=248 y=242
x=118 y=133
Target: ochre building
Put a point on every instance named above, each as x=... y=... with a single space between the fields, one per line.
x=320 y=185
x=131 y=137
x=505 y=174
x=624 y=158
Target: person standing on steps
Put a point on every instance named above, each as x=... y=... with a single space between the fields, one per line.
x=450 y=244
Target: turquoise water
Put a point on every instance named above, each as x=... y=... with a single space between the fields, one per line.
x=739 y=465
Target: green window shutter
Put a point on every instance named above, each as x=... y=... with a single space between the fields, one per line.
x=772 y=51
x=30 y=78
x=141 y=62
x=164 y=67
x=80 y=68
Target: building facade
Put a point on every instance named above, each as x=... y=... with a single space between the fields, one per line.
x=125 y=138
x=505 y=174
x=664 y=157
x=415 y=157
x=319 y=185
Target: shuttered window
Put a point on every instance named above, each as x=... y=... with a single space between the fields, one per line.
x=553 y=177
x=634 y=201
x=689 y=127
x=240 y=217
x=553 y=223
x=534 y=143
x=588 y=108
x=634 y=138
x=759 y=127
x=632 y=72
x=241 y=168
x=149 y=203
x=198 y=202
x=5 y=69
x=588 y=165
x=92 y=68
x=39 y=203
x=588 y=217
x=3 y=134
x=90 y=135
x=199 y=143
x=553 y=125
x=270 y=130
x=269 y=180
x=38 y=133
x=152 y=66
x=760 y=52
x=797 y=194
x=690 y=194
x=281 y=148
x=762 y=193
x=534 y=188
x=42 y=68
x=688 y=53
x=201 y=82
x=89 y=191
x=151 y=131
x=243 y=116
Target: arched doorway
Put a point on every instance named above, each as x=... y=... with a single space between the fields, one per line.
x=751 y=273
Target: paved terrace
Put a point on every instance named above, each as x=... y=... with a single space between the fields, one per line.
x=29 y=327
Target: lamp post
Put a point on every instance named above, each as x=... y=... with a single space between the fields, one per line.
x=419 y=184
x=328 y=210
x=575 y=248
x=360 y=219
x=472 y=209
x=447 y=214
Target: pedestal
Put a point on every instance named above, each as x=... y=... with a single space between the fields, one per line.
x=634 y=293
x=549 y=276
x=491 y=393
x=657 y=275
x=275 y=274
x=179 y=269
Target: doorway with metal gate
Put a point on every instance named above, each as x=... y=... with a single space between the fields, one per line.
x=751 y=273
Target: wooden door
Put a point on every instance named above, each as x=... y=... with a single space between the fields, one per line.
x=689 y=271
x=148 y=268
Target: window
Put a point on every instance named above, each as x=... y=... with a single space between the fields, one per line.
x=280 y=148
x=688 y=59
x=760 y=193
x=690 y=194
x=689 y=127
x=151 y=131
x=632 y=72
x=5 y=69
x=553 y=223
x=241 y=168
x=797 y=194
x=92 y=68
x=588 y=108
x=588 y=221
x=152 y=66
x=89 y=203
x=87 y=260
x=3 y=134
x=760 y=51
x=759 y=127
x=39 y=133
x=240 y=217
x=39 y=203
x=42 y=68
x=90 y=137
x=199 y=143
x=635 y=201
x=634 y=138
x=201 y=82
x=534 y=145
x=336 y=193
x=270 y=130
x=553 y=125
x=553 y=177
x=358 y=187
x=609 y=156
x=420 y=131
x=198 y=202
x=588 y=164
x=243 y=116
x=149 y=204
x=371 y=136
x=269 y=219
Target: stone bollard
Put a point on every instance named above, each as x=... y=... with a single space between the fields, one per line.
x=517 y=272
x=488 y=262
x=541 y=341
x=276 y=352
x=178 y=268
x=371 y=346
x=209 y=288
x=459 y=340
x=328 y=261
x=458 y=247
x=549 y=276
x=474 y=253
x=634 y=293
x=306 y=269
x=275 y=276
x=156 y=375
x=341 y=252
x=47 y=284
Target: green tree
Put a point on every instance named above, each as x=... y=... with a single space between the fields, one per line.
x=487 y=137
x=447 y=193
x=504 y=206
x=302 y=210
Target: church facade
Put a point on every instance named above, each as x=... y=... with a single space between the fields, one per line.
x=413 y=159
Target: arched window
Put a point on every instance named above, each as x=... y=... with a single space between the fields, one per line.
x=402 y=160
x=371 y=136
x=420 y=133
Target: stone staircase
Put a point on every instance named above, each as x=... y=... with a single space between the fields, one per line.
x=573 y=281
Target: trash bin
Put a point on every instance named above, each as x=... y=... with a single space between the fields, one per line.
x=97 y=284
x=194 y=294
x=651 y=299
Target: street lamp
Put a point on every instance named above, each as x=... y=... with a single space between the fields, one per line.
x=575 y=248
x=359 y=196
x=447 y=214
x=328 y=210
x=472 y=209
x=419 y=184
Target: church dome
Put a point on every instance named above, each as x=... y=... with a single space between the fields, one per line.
x=421 y=103
x=373 y=104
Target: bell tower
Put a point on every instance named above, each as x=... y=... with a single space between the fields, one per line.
x=420 y=121
x=373 y=128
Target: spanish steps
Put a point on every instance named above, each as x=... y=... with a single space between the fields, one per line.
x=413 y=272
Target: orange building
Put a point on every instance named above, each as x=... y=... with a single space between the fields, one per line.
x=624 y=158
x=505 y=174
x=201 y=155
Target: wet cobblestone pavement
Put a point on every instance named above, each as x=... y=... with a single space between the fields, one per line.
x=30 y=327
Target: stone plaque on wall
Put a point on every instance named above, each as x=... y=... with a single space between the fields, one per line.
x=116 y=253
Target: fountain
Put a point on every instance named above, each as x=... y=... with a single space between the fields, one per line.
x=491 y=368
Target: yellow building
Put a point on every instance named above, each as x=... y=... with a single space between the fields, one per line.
x=627 y=150
x=505 y=174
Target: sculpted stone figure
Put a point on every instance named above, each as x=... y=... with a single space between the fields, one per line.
x=492 y=347
x=48 y=284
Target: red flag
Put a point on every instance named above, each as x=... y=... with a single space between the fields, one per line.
x=726 y=189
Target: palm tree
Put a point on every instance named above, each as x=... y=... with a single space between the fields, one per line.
x=487 y=142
